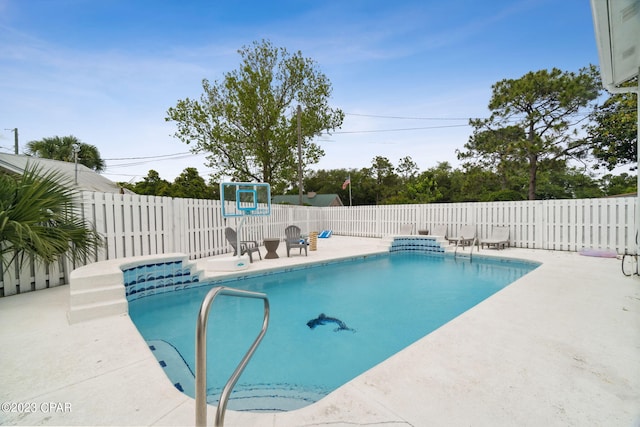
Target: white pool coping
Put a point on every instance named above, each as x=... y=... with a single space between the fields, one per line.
x=559 y=347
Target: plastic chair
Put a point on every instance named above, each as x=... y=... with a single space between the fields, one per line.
x=246 y=246
x=294 y=240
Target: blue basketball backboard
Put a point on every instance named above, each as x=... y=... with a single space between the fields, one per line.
x=245 y=198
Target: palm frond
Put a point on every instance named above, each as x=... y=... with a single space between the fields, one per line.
x=38 y=218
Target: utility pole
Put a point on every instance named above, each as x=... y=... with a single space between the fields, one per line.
x=15 y=138
x=299 y=157
x=76 y=149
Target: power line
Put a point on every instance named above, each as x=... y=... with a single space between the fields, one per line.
x=149 y=161
x=407 y=117
x=380 y=116
x=400 y=130
x=121 y=174
x=150 y=157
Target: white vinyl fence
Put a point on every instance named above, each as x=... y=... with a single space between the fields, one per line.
x=134 y=225
x=565 y=225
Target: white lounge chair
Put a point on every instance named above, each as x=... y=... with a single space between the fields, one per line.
x=406 y=230
x=465 y=236
x=499 y=238
x=439 y=231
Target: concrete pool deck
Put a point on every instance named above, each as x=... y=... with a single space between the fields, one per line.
x=559 y=347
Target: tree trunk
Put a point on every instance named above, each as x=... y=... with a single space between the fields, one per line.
x=533 y=171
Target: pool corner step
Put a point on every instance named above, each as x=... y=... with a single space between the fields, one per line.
x=83 y=312
x=96 y=291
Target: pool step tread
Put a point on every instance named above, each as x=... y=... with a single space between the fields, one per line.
x=96 y=295
x=267 y=397
x=97 y=281
x=84 y=312
x=173 y=365
x=418 y=243
x=98 y=290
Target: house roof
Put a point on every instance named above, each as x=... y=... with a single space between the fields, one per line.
x=88 y=180
x=310 y=199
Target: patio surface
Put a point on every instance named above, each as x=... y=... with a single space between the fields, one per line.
x=559 y=347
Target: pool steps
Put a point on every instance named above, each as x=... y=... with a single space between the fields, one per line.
x=418 y=243
x=174 y=366
x=96 y=290
x=92 y=293
x=268 y=397
x=244 y=397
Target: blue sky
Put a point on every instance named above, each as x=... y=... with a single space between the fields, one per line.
x=107 y=71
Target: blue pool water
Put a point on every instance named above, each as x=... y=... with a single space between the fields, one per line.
x=387 y=302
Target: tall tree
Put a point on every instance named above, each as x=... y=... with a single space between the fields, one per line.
x=38 y=218
x=364 y=189
x=190 y=185
x=613 y=132
x=325 y=182
x=407 y=168
x=248 y=122
x=618 y=184
x=534 y=118
x=442 y=175
x=480 y=184
x=496 y=150
x=417 y=189
x=153 y=185
x=62 y=148
x=561 y=182
x=386 y=180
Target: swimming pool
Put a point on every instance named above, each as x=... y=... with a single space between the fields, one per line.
x=386 y=302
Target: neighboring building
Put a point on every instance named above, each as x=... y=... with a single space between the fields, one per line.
x=309 y=199
x=623 y=195
x=88 y=180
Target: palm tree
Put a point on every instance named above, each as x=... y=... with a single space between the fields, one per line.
x=37 y=218
x=57 y=148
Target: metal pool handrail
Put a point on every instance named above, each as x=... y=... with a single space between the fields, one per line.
x=473 y=243
x=201 y=353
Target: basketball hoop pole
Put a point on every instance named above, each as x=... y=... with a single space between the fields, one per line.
x=247 y=197
x=239 y=237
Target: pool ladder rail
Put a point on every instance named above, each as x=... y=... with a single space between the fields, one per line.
x=201 y=353
x=474 y=243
